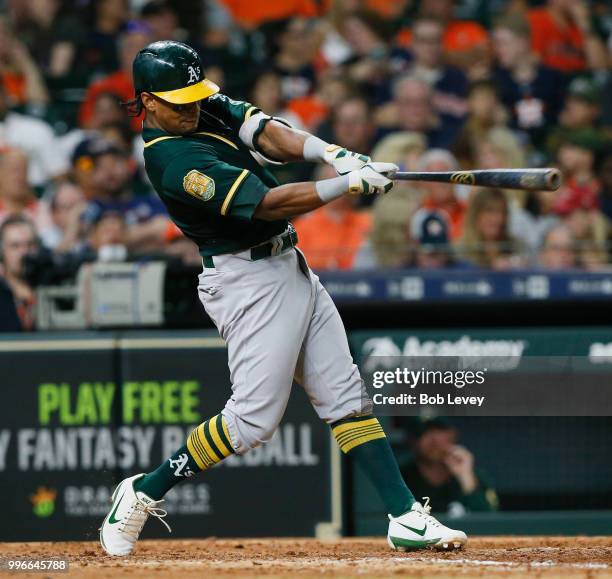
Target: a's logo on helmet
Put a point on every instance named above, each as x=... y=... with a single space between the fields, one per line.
x=194 y=73
x=199 y=185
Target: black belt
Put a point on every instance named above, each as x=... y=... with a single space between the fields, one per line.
x=274 y=247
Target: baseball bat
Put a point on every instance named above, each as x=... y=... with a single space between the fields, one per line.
x=526 y=179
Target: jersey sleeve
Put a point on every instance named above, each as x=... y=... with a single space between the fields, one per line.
x=230 y=111
x=213 y=186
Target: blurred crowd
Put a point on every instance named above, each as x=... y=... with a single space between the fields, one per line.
x=432 y=85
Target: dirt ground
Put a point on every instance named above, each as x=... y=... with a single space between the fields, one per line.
x=547 y=557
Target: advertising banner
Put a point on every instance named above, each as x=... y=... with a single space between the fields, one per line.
x=80 y=413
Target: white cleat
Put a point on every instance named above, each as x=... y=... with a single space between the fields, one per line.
x=131 y=509
x=417 y=529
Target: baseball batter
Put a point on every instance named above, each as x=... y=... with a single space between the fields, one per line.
x=205 y=155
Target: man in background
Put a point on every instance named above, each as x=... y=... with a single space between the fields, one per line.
x=18 y=239
x=444 y=471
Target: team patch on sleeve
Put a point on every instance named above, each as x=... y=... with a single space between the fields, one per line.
x=199 y=185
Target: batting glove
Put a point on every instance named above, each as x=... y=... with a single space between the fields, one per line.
x=373 y=179
x=343 y=160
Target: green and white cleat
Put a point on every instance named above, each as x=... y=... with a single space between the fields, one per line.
x=417 y=529
x=131 y=509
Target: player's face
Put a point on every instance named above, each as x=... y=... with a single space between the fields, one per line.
x=175 y=119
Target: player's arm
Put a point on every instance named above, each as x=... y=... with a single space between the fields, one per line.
x=295 y=199
x=276 y=141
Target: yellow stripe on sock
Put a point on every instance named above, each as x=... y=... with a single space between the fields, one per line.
x=209 y=449
x=355 y=434
x=338 y=430
x=361 y=440
x=214 y=433
x=197 y=451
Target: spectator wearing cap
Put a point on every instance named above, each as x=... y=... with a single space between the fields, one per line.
x=444 y=470
x=580 y=112
x=531 y=92
x=118 y=83
x=486 y=240
x=442 y=196
x=36 y=139
x=109 y=177
x=429 y=231
x=332 y=236
x=562 y=35
x=17 y=240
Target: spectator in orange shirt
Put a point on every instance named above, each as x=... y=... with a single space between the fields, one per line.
x=562 y=35
x=251 y=13
x=120 y=82
x=332 y=236
x=442 y=196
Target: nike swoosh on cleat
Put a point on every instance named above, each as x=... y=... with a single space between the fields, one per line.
x=419 y=532
x=111 y=518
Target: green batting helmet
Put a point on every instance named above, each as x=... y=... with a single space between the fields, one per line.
x=171 y=71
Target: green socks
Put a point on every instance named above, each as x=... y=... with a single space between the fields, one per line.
x=172 y=471
x=207 y=445
x=364 y=439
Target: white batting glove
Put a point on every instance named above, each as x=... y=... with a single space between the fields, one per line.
x=343 y=160
x=373 y=179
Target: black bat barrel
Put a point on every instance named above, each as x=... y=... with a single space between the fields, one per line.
x=526 y=179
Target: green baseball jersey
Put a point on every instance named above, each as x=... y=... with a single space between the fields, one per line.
x=210 y=182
